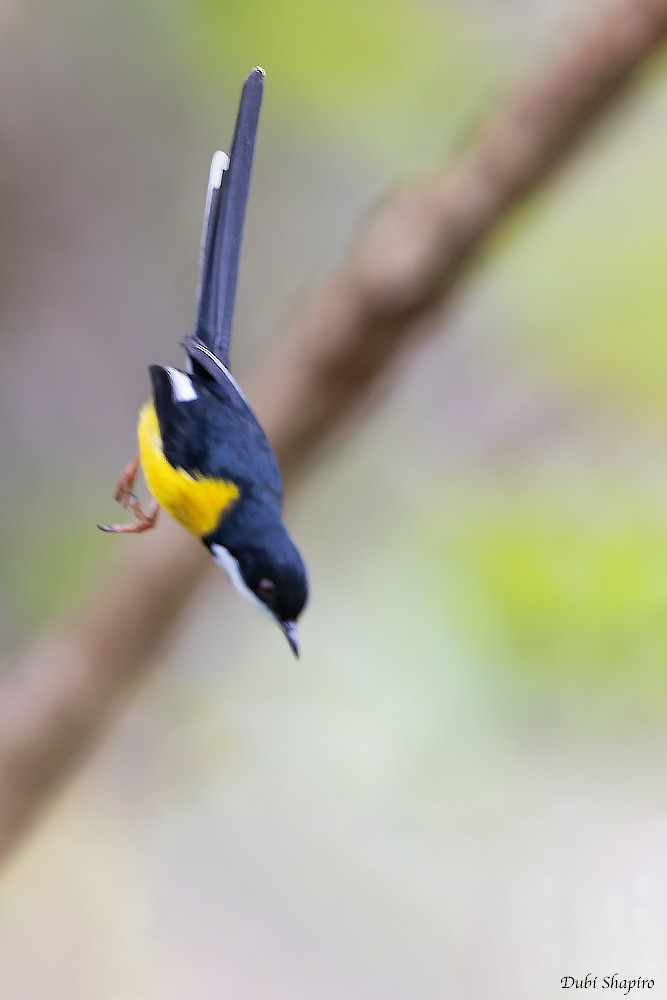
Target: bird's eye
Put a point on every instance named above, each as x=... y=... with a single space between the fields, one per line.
x=266 y=590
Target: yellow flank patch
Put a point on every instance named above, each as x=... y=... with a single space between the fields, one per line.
x=193 y=500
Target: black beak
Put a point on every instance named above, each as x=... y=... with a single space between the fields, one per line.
x=289 y=628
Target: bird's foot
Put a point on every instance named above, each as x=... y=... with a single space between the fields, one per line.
x=126 y=498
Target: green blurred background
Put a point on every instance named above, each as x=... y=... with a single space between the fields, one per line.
x=458 y=791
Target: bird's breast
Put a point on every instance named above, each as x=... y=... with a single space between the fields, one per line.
x=195 y=501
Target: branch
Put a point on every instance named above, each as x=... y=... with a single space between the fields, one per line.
x=411 y=256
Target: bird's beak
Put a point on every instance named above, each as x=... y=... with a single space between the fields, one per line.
x=289 y=628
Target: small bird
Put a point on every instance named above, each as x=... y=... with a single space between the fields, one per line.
x=205 y=458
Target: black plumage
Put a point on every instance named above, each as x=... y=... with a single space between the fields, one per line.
x=199 y=422
x=216 y=435
x=223 y=227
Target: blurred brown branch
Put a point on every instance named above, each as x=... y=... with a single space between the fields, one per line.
x=410 y=257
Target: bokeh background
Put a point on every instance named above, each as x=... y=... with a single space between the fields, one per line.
x=459 y=790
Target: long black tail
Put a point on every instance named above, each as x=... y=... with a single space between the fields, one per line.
x=223 y=224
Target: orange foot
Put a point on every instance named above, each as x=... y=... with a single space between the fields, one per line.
x=124 y=495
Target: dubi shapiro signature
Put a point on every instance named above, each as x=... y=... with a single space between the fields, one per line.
x=614 y=982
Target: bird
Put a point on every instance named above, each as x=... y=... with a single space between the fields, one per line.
x=204 y=456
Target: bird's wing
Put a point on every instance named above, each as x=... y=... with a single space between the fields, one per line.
x=198 y=352
x=223 y=224
x=179 y=416
x=207 y=427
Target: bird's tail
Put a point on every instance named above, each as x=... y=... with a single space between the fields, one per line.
x=224 y=215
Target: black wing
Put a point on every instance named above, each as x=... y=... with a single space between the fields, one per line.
x=223 y=224
x=207 y=427
x=206 y=361
x=179 y=421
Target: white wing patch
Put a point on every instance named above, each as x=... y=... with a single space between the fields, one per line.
x=181 y=386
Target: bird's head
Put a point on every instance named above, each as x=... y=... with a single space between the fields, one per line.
x=266 y=568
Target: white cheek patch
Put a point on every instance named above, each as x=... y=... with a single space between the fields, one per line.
x=181 y=386
x=226 y=561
